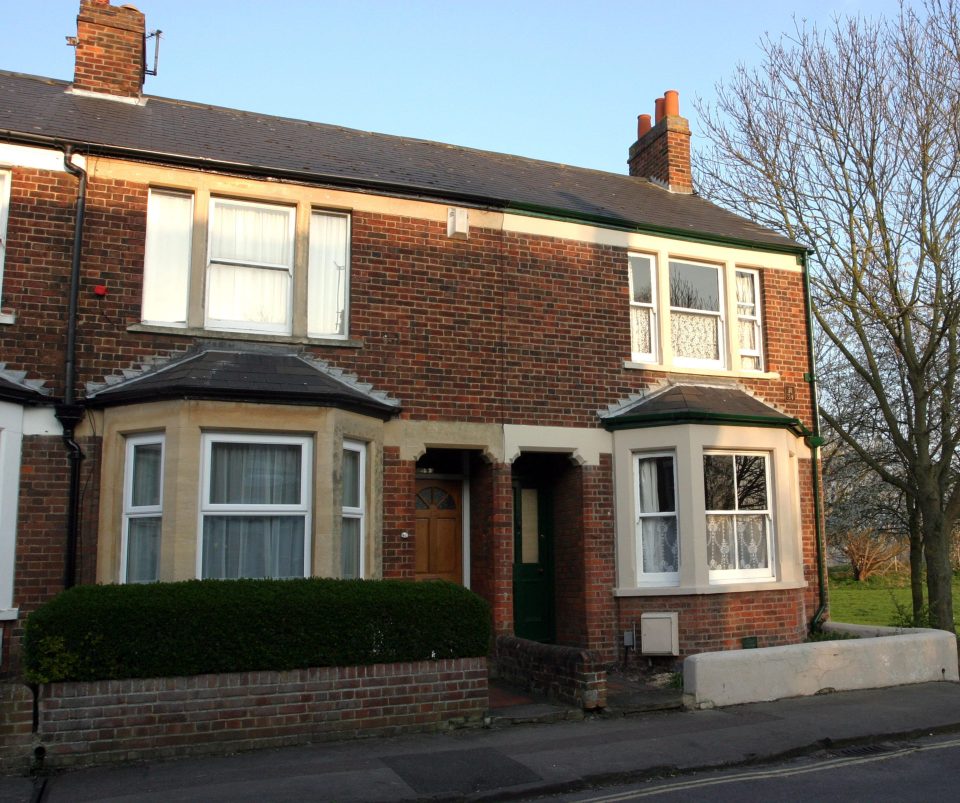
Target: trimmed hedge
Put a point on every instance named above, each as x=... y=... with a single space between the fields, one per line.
x=207 y=626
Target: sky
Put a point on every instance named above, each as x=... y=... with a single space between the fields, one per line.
x=556 y=80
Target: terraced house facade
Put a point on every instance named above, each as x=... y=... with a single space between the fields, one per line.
x=235 y=345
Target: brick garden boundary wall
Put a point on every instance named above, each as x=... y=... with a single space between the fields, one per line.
x=111 y=721
x=568 y=674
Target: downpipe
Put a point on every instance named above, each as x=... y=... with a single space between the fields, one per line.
x=69 y=413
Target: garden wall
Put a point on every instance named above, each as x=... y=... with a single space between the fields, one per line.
x=567 y=674
x=124 y=720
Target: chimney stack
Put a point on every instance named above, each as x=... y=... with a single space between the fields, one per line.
x=110 y=45
x=662 y=153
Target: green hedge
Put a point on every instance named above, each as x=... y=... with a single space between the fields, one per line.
x=200 y=626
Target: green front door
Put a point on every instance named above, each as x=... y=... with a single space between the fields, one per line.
x=532 y=564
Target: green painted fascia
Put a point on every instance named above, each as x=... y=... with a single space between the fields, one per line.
x=643 y=420
x=548 y=213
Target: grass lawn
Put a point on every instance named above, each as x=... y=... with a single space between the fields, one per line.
x=874 y=602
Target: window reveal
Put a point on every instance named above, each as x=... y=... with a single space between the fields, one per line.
x=142 y=509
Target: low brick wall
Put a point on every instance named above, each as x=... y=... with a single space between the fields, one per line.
x=124 y=720
x=567 y=674
x=16 y=729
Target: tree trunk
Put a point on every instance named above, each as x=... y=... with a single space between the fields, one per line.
x=916 y=562
x=936 y=543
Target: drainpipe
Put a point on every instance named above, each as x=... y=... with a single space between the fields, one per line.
x=69 y=413
x=815 y=441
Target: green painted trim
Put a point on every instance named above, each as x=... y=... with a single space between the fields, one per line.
x=643 y=420
x=548 y=213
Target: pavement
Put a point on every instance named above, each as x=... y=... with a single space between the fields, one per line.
x=530 y=748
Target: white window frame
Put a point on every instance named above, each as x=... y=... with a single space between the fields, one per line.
x=651 y=307
x=11 y=440
x=755 y=320
x=6 y=179
x=284 y=328
x=736 y=575
x=159 y=273
x=131 y=511
x=314 y=296
x=304 y=508
x=719 y=315
x=655 y=578
x=357 y=513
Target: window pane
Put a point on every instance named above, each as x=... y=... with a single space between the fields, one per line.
x=694 y=286
x=351 y=478
x=657 y=493
x=746 y=293
x=251 y=234
x=166 y=271
x=721 y=553
x=640 y=277
x=695 y=336
x=255 y=473
x=252 y=546
x=327 y=275
x=748 y=335
x=718 y=482
x=659 y=548
x=250 y=295
x=751 y=482
x=143 y=550
x=145 y=483
x=350 y=548
x=640 y=330
x=752 y=541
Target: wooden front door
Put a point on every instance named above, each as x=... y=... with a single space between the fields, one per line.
x=439 y=531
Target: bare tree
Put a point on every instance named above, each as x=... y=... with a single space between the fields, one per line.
x=847 y=139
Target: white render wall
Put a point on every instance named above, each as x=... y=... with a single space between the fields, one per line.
x=881 y=657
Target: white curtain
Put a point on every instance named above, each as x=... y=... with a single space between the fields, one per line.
x=748 y=325
x=246 y=544
x=350 y=548
x=327 y=275
x=254 y=235
x=694 y=335
x=166 y=269
x=640 y=330
x=248 y=295
x=143 y=549
x=252 y=546
x=658 y=534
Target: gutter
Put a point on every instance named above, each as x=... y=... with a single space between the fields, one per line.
x=815 y=441
x=69 y=412
x=642 y=420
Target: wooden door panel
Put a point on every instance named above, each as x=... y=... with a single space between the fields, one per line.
x=439 y=545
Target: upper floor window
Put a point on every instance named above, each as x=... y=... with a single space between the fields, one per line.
x=643 y=307
x=4 y=214
x=691 y=322
x=142 y=509
x=249 y=274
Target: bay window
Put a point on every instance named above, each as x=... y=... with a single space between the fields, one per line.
x=736 y=493
x=352 y=545
x=255 y=506
x=142 y=509
x=658 y=547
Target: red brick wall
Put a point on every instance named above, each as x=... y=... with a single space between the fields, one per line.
x=568 y=559
x=663 y=153
x=16 y=729
x=712 y=622
x=567 y=674
x=123 y=720
x=599 y=558
x=399 y=553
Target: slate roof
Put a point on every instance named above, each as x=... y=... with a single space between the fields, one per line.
x=692 y=404
x=14 y=387
x=36 y=109
x=245 y=373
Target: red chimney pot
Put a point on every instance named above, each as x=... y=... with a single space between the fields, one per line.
x=643 y=125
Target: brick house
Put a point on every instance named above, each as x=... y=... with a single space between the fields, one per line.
x=237 y=345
